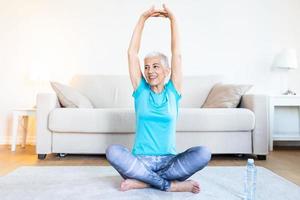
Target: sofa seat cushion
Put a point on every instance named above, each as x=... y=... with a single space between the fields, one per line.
x=120 y=120
x=92 y=120
x=215 y=119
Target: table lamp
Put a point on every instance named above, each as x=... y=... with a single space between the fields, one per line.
x=286 y=60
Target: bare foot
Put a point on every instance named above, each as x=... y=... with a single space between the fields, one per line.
x=129 y=184
x=185 y=186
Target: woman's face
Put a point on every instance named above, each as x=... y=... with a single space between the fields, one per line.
x=154 y=71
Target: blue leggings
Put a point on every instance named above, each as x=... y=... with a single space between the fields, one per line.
x=158 y=171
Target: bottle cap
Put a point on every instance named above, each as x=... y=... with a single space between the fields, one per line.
x=250 y=161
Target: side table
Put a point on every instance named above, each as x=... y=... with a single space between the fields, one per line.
x=275 y=102
x=16 y=114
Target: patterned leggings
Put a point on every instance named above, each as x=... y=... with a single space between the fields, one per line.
x=158 y=171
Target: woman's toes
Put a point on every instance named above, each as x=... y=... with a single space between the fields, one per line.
x=196 y=191
x=196 y=187
x=124 y=186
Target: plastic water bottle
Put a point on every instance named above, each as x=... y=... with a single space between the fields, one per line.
x=250 y=180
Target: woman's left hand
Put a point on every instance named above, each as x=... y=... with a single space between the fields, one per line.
x=168 y=12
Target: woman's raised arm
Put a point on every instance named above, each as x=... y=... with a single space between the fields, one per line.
x=133 y=60
x=176 y=70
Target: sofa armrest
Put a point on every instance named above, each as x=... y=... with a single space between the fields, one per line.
x=258 y=103
x=45 y=103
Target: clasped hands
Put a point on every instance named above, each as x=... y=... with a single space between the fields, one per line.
x=152 y=12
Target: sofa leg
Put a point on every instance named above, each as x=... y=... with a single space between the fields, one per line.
x=42 y=156
x=61 y=155
x=240 y=155
x=261 y=157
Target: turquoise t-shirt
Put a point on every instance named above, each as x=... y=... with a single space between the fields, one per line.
x=156 y=116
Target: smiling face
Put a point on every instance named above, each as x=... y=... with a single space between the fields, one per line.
x=154 y=71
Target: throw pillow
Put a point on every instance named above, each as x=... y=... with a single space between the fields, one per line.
x=70 y=97
x=225 y=95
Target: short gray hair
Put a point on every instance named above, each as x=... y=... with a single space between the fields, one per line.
x=163 y=57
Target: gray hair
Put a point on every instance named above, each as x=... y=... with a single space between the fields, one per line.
x=163 y=57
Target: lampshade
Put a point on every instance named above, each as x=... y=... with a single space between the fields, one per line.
x=287 y=59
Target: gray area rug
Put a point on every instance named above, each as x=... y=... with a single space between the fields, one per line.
x=92 y=182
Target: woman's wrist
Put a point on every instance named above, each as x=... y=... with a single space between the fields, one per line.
x=143 y=18
x=172 y=19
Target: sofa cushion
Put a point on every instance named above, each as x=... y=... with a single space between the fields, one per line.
x=225 y=95
x=195 y=89
x=70 y=97
x=105 y=91
x=123 y=120
x=215 y=119
x=92 y=120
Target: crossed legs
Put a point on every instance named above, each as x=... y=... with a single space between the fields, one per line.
x=170 y=178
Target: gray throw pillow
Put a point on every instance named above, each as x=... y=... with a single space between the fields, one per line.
x=70 y=97
x=225 y=95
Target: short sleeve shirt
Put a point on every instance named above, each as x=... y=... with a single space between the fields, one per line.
x=156 y=116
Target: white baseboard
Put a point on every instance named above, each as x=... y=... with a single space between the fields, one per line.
x=287 y=143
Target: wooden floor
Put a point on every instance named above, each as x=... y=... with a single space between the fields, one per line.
x=284 y=162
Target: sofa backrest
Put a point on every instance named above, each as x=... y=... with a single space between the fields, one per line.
x=106 y=91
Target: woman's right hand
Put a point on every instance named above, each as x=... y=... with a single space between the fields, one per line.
x=152 y=12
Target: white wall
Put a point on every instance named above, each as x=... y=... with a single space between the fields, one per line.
x=59 y=38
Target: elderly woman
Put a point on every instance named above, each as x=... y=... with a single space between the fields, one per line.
x=153 y=161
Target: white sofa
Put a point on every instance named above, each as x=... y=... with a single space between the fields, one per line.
x=241 y=130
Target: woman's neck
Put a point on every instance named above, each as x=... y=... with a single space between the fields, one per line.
x=158 y=88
